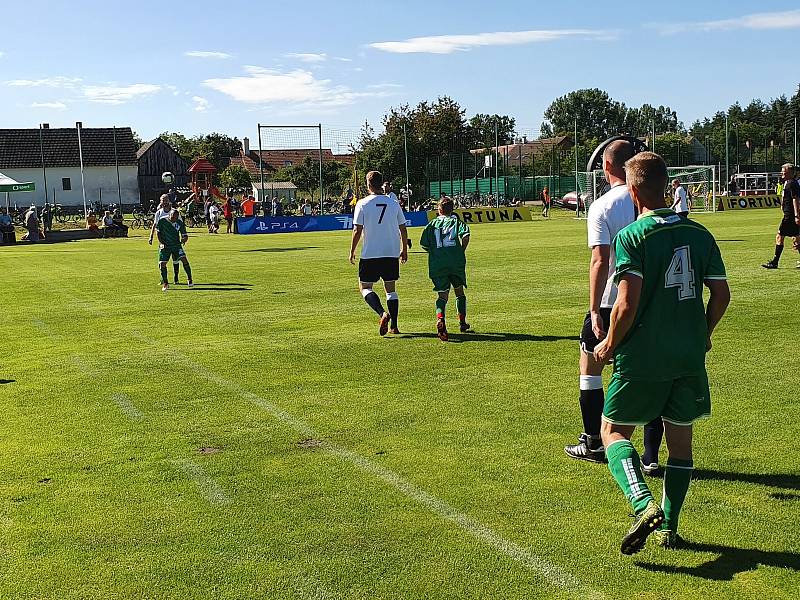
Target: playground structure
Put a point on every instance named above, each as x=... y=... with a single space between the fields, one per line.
x=202 y=181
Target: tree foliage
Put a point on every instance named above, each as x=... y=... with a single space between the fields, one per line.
x=216 y=147
x=235 y=177
x=336 y=177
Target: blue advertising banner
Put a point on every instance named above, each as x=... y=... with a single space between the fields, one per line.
x=251 y=225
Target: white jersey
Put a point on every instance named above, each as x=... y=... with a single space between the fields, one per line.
x=681 y=202
x=161 y=214
x=393 y=196
x=381 y=218
x=608 y=215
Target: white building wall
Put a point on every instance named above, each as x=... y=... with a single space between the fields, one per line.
x=101 y=182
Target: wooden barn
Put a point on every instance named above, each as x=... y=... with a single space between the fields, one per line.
x=155 y=158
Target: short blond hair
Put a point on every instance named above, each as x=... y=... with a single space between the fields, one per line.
x=374 y=180
x=647 y=172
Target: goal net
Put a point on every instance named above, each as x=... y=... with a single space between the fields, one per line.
x=699 y=181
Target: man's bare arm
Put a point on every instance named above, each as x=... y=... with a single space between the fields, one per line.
x=404 y=238
x=357 y=229
x=719 y=298
x=598 y=276
x=622 y=316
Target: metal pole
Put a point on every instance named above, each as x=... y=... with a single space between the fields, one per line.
x=577 y=189
x=261 y=164
x=405 y=151
x=496 y=156
x=78 y=125
x=653 y=149
x=321 y=190
x=795 y=141
x=727 y=152
x=44 y=168
x=119 y=185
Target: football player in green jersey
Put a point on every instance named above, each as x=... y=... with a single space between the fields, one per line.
x=659 y=333
x=445 y=239
x=169 y=246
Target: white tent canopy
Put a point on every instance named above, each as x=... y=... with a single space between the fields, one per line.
x=9 y=185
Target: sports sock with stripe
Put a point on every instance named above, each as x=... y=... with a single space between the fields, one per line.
x=393 y=304
x=461 y=306
x=623 y=462
x=371 y=298
x=441 y=304
x=591 y=401
x=677 y=477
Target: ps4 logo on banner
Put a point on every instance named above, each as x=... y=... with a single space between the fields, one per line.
x=347 y=222
x=273 y=225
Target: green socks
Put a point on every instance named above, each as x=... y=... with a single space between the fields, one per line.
x=188 y=270
x=441 y=303
x=163 y=268
x=677 y=476
x=625 y=466
x=461 y=305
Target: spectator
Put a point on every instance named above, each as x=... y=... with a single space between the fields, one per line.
x=227 y=212
x=7 y=234
x=109 y=230
x=206 y=210
x=47 y=217
x=91 y=222
x=277 y=207
x=733 y=188
x=213 y=217
x=119 y=223
x=546 y=200
x=248 y=206
x=306 y=209
x=32 y=224
x=389 y=191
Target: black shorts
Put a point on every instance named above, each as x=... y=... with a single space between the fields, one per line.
x=788 y=227
x=370 y=270
x=588 y=339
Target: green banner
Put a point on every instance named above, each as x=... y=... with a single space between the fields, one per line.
x=18 y=187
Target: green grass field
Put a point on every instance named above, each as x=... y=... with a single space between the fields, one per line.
x=256 y=438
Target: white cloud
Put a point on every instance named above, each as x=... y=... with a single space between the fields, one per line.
x=789 y=19
x=200 y=103
x=207 y=54
x=49 y=105
x=308 y=57
x=2 y=54
x=384 y=86
x=56 y=82
x=268 y=86
x=342 y=59
x=111 y=94
x=447 y=44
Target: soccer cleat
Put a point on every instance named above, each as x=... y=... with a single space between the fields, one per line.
x=463 y=326
x=165 y=287
x=645 y=523
x=383 y=324
x=190 y=284
x=651 y=469
x=441 y=329
x=770 y=265
x=394 y=331
x=587 y=448
x=667 y=539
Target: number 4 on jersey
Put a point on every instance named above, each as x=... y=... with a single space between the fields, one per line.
x=680 y=274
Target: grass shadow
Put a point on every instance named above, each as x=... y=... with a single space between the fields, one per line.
x=788 y=481
x=227 y=284
x=282 y=249
x=459 y=338
x=729 y=562
x=5 y=381
x=730 y=240
x=205 y=288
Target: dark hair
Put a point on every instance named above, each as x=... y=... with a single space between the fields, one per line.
x=446 y=205
x=374 y=179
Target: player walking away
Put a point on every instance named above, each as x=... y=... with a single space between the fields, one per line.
x=546 y=200
x=382 y=224
x=680 y=201
x=180 y=227
x=608 y=215
x=790 y=225
x=659 y=334
x=169 y=240
x=163 y=210
x=445 y=239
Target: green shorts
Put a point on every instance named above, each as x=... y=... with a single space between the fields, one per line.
x=174 y=252
x=442 y=280
x=680 y=401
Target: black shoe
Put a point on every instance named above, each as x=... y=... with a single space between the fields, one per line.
x=409 y=244
x=463 y=327
x=770 y=265
x=587 y=448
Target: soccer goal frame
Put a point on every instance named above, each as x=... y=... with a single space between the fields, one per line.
x=318 y=127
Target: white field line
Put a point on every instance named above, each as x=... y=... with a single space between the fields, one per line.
x=210 y=489
x=127 y=407
x=550 y=572
x=84 y=366
x=44 y=328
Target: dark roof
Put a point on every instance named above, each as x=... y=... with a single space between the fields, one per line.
x=277 y=159
x=145 y=147
x=202 y=165
x=246 y=162
x=19 y=148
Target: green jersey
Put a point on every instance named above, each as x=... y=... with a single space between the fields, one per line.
x=168 y=234
x=673 y=256
x=441 y=239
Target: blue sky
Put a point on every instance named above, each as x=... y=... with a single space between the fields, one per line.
x=213 y=66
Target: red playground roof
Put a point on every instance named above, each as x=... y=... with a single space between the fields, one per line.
x=202 y=165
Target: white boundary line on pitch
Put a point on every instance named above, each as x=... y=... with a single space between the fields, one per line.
x=552 y=573
x=127 y=407
x=210 y=489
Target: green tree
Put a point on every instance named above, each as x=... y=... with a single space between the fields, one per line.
x=481 y=128
x=235 y=177
x=597 y=114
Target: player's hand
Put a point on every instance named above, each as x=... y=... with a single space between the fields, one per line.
x=352 y=258
x=597 y=326
x=797 y=220
x=184 y=239
x=404 y=257
x=602 y=352
x=708 y=344
x=150 y=241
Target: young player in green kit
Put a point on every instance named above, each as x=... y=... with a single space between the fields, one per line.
x=659 y=334
x=445 y=239
x=169 y=239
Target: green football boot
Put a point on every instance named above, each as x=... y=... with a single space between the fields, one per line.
x=667 y=539
x=645 y=523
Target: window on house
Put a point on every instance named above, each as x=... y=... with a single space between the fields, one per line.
x=66 y=184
